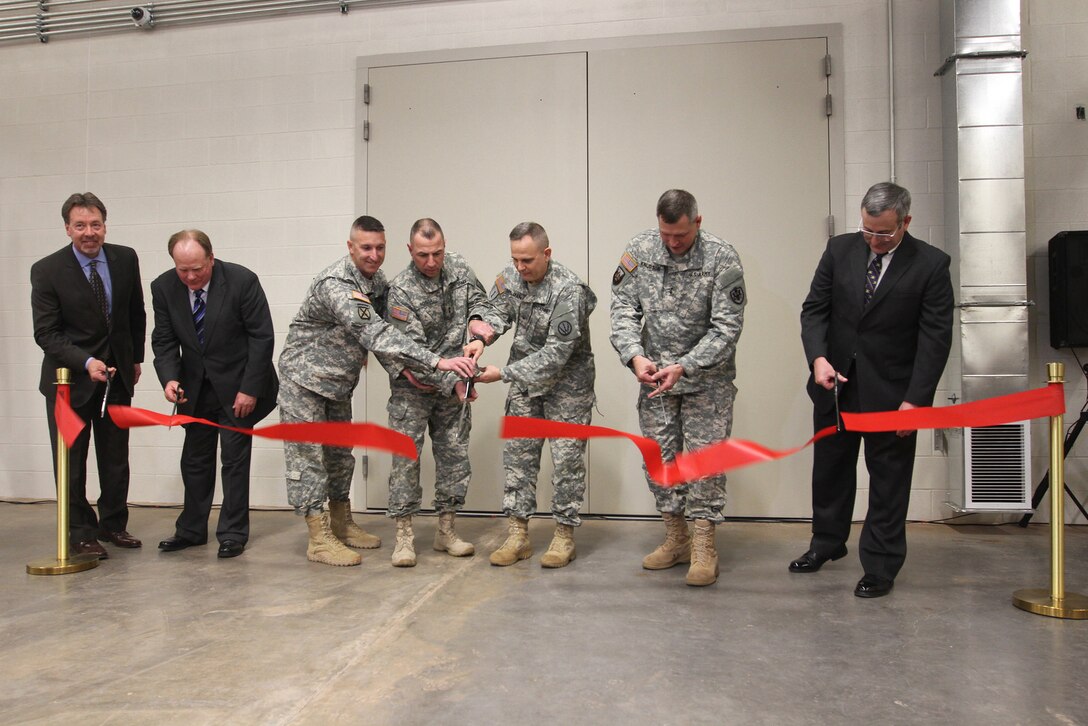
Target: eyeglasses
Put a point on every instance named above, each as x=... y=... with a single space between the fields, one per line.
x=869 y=234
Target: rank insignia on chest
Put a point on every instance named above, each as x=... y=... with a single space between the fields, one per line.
x=398 y=313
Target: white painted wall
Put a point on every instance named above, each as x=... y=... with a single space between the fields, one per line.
x=246 y=130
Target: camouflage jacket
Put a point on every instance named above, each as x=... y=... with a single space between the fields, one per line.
x=551 y=340
x=435 y=313
x=340 y=319
x=688 y=310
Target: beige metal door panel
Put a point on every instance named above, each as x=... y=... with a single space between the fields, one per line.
x=479 y=145
x=743 y=127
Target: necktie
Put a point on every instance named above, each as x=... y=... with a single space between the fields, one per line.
x=872 y=276
x=99 y=290
x=199 y=307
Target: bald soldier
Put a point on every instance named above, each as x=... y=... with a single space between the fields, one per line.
x=550 y=373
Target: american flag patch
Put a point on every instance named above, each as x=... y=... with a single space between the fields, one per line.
x=500 y=284
x=398 y=313
x=356 y=295
x=629 y=263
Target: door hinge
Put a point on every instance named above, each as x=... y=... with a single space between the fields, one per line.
x=831 y=225
x=366 y=131
x=827 y=106
x=366 y=94
x=827 y=65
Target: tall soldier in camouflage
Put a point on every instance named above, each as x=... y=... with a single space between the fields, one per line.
x=677 y=311
x=551 y=375
x=327 y=343
x=431 y=302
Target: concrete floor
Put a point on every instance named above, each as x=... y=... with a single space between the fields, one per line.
x=269 y=638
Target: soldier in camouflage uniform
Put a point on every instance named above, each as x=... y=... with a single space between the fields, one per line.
x=431 y=302
x=340 y=319
x=551 y=375
x=677 y=311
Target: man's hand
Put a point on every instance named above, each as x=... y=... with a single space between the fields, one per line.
x=905 y=406
x=666 y=378
x=425 y=387
x=173 y=393
x=474 y=349
x=99 y=372
x=824 y=374
x=489 y=374
x=462 y=366
x=481 y=329
x=460 y=388
x=644 y=369
x=244 y=404
x=136 y=374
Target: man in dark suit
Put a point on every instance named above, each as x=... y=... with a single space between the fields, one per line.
x=876 y=325
x=88 y=307
x=213 y=345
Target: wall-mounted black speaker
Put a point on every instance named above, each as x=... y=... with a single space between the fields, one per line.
x=1068 y=253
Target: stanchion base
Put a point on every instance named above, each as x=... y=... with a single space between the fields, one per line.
x=75 y=563
x=1072 y=607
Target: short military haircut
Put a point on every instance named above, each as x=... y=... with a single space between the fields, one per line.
x=884 y=196
x=367 y=223
x=196 y=235
x=426 y=228
x=86 y=199
x=676 y=204
x=534 y=230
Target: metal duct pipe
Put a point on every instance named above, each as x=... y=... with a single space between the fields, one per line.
x=64 y=17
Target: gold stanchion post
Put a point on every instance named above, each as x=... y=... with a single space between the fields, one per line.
x=64 y=563
x=1056 y=603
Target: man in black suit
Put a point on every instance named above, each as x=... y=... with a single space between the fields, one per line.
x=213 y=345
x=876 y=325
x=88 y=308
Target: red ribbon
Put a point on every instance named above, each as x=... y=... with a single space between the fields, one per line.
x=69 y=424
x=328 y=433
x=736 y=453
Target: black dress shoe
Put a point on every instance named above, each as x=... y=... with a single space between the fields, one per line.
x=121 y=539
x=175 y=543
x=870 y=586
x=231 y=548
x=91 y=547
x=811 y=561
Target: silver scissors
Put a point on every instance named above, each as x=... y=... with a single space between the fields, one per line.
x=106 y=395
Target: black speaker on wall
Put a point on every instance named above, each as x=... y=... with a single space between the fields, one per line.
x=1068 y=253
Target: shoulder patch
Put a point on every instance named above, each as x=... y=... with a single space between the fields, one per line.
x=500 y=284
x=398 y=313
x=628 y=262
x=737 y=295
x=356 y=295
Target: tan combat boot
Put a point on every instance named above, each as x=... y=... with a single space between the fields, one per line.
x=675 y=549
x=704 y=558
x=345 y=529
x=516 y=547
x=404 y=553
x=561 y=550
x=324 y=547
x=446 y=540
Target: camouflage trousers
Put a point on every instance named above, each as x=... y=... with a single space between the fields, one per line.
x=414 y=413
x=315 y=473
x=686 y=422
x=521 y=457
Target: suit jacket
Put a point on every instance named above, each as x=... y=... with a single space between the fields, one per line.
x=70 y=327
x=238 y=339
x=899 y=342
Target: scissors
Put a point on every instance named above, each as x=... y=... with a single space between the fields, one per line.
x=106 y=395
x=838 y=417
